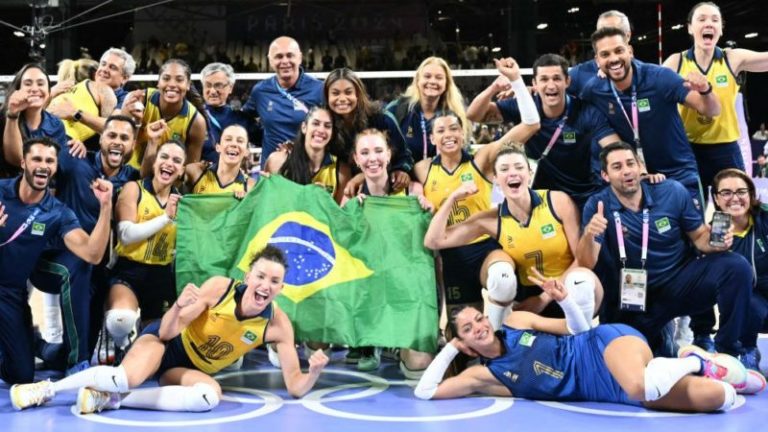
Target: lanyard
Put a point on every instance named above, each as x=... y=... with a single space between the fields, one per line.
x=297 y=104
x=620 y=238
x=423 y=133
x=213 y=119
x=23 y=227
x=558 y=131
x=634 y=123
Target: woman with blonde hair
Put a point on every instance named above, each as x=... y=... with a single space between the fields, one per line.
x=431 y=92
x=81 y=103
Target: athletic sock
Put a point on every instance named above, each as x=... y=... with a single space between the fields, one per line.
x=103 y=378
x=661 y=374
x=496 y=314
x=730 y=396
x=200 y=397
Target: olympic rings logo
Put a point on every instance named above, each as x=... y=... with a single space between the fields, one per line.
x=317 y=401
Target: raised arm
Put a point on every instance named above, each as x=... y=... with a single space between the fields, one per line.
x=91 y=248
x=12 y=140
x=701 y=97
x=440 y=236
x=589 y=246
x=191 y=303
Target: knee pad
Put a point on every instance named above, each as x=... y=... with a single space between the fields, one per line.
x=501 y=282
x=120 y=323
x=201 y=397
x=581 y=287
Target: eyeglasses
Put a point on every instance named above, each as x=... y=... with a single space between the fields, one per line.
x=728 y=194
x=216 y=86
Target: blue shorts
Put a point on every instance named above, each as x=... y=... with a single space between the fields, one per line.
x=461 y=271
x=174 y=356
x=595 y=380
x=153 y=285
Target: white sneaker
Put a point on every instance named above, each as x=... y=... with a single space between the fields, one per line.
x=91 y=401
x=755 y=383
x=35 y=394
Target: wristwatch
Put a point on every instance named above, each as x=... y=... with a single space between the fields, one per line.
x=78 y=115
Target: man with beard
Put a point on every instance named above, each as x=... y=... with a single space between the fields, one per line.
x=562 y=146
x=640 y=101
x=653 y=238
x=60 y=271
x=283 y=101
x=30 y=219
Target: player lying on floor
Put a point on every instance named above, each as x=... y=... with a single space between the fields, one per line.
x=541 y=358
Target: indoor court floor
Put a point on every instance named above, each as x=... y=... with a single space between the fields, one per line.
x=347 y=400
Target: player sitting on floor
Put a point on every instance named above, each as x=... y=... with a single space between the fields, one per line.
x=207 y=329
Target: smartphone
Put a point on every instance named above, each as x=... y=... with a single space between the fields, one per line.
x=721 y=222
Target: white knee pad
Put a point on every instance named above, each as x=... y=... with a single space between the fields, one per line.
x=201 y=397
x=581 y=288
x=501 y=282
x=120 y=323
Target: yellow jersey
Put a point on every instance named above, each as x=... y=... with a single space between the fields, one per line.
x=440 y=183
x=82 y=99
x=328 y=174
x=159 y=248
x=178 y=127
x=541 y=242
x=723 y=128
x=218 y=337
x=209 y=183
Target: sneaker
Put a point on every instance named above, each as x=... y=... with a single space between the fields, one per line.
x=755 y=383
x=722 y=367
x=92 y=401
x=370 y=360
x=27 y=395
x=704 y=342
x=391 y=354
x=750 y=358
x=79 y=367
x=353 y=356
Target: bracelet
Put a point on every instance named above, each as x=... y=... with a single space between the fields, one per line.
x=707 y=91
x=11 y=116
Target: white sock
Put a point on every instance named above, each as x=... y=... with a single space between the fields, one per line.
x=198 y=398
x=496 y=314
x=102 y=378
x=730 y=396
x=661 y=374
x=54 y=328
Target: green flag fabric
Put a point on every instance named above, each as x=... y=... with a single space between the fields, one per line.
x=358 y=276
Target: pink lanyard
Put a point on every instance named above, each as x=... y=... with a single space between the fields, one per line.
x=620 y=238
x=23 y=227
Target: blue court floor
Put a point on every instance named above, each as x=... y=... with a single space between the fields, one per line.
x=347 y=400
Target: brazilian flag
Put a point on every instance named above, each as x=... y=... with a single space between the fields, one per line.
x=358 y=276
